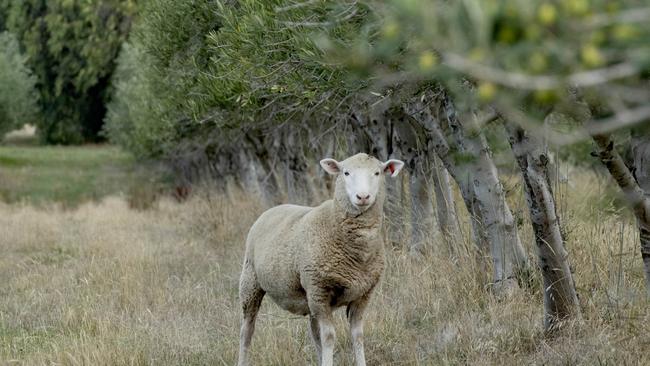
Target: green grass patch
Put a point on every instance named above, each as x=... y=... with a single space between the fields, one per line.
x=7 y=161
x=20 y=342
x=69 y=175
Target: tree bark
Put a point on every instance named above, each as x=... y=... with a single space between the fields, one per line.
x=410 y=145
x=560 y=299
x=467 y=157
x=635 y=196
x=248 y=174
x=445 y=207
x=421 y=212
x=324 y=180
x=289 y=156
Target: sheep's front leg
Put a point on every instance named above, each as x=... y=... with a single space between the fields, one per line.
x=323 y=314
x=314 y=329
x=328 y=338
x=355 y=318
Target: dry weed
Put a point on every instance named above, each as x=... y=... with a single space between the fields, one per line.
x=107 y=285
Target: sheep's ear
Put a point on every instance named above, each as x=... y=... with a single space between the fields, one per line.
x=392 y=167
x=331 y=166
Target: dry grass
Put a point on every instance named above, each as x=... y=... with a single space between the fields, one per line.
x=106 y=285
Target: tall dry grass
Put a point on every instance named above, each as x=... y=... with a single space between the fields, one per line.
x=107 y=285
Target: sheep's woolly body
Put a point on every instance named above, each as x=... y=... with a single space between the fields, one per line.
x=311 y=260
x=327 y=252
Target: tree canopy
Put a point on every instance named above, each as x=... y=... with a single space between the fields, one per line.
x=71 y=48
x=236 y=65
x=233 y=68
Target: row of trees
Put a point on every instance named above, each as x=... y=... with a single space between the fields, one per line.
x=254 y=92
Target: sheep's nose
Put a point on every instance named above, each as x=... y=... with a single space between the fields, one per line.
x=363 y=197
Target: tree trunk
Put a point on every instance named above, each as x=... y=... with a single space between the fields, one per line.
x=289 y=155
x=421 y=211
x=324 y=180
x=445 y=207
x=269 y=182
x=494 y=213
x=560 y=299
x=248 y=175
x=466 y=155
x=262 y=157
x=409 y=144
x=641 y=158
x=634 y=194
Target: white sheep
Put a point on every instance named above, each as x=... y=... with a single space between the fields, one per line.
x=312 y=260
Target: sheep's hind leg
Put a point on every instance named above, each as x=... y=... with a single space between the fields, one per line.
x=250 y=295
x=314 y=329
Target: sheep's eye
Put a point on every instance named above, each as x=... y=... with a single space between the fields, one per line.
x=376 y=173
x=347 y=173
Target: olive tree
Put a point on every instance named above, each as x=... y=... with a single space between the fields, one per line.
x=520 y=62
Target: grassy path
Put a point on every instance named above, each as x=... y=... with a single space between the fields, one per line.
x=69 y=175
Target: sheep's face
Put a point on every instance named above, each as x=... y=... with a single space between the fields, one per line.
x=362 y=176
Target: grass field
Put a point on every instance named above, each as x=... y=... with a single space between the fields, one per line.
x=102 y=284
x=67 y=175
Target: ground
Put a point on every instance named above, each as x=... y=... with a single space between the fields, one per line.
x=97 y=282
x=70 y=175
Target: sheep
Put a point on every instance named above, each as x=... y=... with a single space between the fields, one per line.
x=312 y=260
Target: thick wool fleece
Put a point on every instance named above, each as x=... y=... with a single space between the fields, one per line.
x=317 y=257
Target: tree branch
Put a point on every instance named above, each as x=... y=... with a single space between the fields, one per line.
x=295 y=6
x=351 y=14
x=626 y=16
x=626 y=118
x=523 y=81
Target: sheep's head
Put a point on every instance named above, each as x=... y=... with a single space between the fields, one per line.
x=360 y=179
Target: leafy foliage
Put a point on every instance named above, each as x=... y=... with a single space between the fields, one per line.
x=71 y=47
x=17 y=94
x=135 y=118
x=225 y=68
x=535 y=56
x=219 y=69
x=156 y=82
